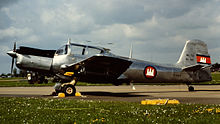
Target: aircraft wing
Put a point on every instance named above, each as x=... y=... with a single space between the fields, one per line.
x=106 y=66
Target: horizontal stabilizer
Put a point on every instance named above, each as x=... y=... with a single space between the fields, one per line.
x=192 y=68
x=196 y=67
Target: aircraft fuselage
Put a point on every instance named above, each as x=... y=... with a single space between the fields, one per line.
x=110 y=68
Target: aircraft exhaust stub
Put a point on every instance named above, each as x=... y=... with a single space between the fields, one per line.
x=150 y=72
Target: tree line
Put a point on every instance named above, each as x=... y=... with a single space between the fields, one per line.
x=15 y=73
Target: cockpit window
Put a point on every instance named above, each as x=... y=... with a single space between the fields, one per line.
x=62 y=50
x=77 y=49
x=84 y=50
x=93 y=51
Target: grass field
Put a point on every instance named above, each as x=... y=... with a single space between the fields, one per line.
x=22 y=82
x=215 y=78
x=52 y=110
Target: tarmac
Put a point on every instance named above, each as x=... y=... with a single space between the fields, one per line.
x=203 y=94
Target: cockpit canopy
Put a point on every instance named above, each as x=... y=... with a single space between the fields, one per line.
x=62 y=50
x=80 y=50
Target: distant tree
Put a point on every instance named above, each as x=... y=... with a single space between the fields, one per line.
x=14 y=73
x=3 y=75
x=9 y=74
x=215 y=67
x=22 y=73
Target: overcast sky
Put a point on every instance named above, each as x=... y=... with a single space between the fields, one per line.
x=157 y=29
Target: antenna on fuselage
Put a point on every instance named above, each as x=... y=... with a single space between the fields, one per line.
x=131 y=51
x=69 y=41
x=68 y=49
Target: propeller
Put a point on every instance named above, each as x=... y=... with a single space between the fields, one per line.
x=13 y=58
x=14 y=49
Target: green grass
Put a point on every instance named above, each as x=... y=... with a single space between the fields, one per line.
x=13 y=78
x=215 y=78
x=52 y=110
x=21 y=83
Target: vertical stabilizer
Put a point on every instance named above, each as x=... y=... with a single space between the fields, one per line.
x=194 y=52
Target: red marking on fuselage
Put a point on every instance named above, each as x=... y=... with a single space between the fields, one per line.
x=150 y=72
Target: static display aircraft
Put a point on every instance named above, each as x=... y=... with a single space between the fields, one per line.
x=76 y=62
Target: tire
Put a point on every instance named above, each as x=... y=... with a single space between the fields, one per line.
x=69 y=90
x=191 y=88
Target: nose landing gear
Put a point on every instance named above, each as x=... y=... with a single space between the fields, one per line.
x=67 y=88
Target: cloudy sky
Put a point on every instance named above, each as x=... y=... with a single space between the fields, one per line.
x=157 y=29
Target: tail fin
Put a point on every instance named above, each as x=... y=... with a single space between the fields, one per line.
x=194 y=52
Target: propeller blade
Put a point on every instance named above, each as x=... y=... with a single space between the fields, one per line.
x=13 y=59
x=14 y=49
x=12 y=65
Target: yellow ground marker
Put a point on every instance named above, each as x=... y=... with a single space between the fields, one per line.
x=217 y=110
x=173 y=101
x=159 y=101
x=78 y=94
x=61 y=95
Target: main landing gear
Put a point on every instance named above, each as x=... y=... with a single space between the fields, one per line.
x=67 y=88
x=34 y=77
x=190 y=88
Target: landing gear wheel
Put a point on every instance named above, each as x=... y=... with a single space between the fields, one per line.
x=69 y=90
x=191 y=88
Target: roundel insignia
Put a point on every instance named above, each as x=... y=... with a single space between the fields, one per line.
x=150 y=72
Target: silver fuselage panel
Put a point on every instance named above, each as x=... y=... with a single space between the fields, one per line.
x=31 y=62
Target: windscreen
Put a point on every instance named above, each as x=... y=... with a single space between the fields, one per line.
x=62 y=50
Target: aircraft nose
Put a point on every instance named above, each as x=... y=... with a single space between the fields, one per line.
x=12 y=54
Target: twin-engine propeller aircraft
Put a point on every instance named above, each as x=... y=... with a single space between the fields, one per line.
x=76 y=62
